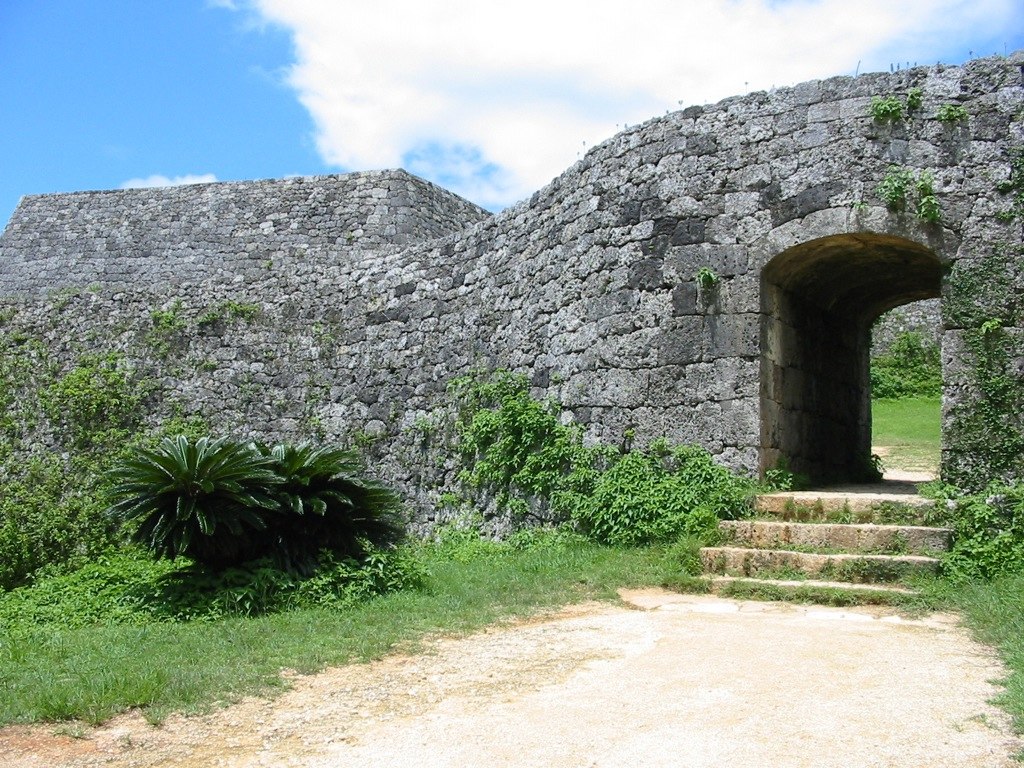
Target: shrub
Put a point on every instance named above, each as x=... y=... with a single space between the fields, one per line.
x=325 y=503
x=50 y=514
x=659 y=495
x=911 y=368
x=223 y=503
x=988 y=533
x=205 y=499
x=517 y=448
x=129 y=588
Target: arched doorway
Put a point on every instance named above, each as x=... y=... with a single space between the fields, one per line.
x=818 y=301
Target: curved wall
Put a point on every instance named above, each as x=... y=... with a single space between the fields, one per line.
x=372 y=299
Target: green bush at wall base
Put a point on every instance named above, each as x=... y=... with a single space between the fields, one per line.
x=224 y=502
x=516 y=449
x=988 y=532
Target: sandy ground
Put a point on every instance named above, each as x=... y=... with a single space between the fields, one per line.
x=663 y=680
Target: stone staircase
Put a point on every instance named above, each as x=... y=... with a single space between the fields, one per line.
x=855 y=545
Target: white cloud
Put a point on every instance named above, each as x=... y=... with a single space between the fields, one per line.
x=505 y=96
x=158 y=180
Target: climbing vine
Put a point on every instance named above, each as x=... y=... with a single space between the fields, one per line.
x=64 y=419
x=986 y=431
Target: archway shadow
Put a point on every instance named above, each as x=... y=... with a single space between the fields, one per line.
x=818 y=301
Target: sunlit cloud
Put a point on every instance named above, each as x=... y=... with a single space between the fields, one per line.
x=158 y=180
x=493 y=100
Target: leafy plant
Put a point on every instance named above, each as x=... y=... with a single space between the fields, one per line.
x=988 y=532
x=915 y=97
x=707 y=281
x=167 y=324
x=223 y=503
x=326 y=503
x=927 y=203
x=60 y=427
x=1014 y=186
x=659 y=495
x=951 y=113
x=893 y=187
x=98 y=396
x=205 y=499
x=886 y=110
x=228 y=310
x=517 y=449
x=910 y=368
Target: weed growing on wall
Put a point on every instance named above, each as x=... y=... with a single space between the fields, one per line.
x=167 y=326
x=887 y=109
x=516 y=448
x=915 y=98
x=61 y=428
x=927 y=203
x=1014 y=187
x=892 y=189
x=951 y=113
x=901 y=186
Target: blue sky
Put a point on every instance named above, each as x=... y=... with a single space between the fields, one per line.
x=489 y=100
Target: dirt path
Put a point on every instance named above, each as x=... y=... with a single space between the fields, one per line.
x=665 y=680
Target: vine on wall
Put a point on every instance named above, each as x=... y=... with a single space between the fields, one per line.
x=985 y=435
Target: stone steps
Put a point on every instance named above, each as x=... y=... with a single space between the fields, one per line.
x=853 y=568
x=863 y=538
x=810 y=590
x=840 y=546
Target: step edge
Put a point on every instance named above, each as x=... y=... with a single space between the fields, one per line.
x=922 y=559
x=847 y=586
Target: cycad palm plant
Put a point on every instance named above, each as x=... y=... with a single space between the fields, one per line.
x=210 y=500
x=327 y=503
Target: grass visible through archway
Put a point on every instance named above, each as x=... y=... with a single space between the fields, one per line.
x=906 y=433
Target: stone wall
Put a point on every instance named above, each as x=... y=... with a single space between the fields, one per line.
x=921 y=317
x=374 y=290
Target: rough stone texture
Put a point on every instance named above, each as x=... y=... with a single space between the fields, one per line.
x=375 y=289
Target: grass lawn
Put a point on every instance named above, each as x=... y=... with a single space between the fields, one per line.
x=91 y=673
x=906 y=433
x=50 y=673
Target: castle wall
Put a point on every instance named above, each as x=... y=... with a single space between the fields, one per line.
x=374 y=290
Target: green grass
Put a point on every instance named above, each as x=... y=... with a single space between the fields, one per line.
x=909 y=430
x=89 y=674
x=92 y=673
x=995 y=613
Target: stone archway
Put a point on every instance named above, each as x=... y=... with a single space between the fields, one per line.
x=818 y=301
